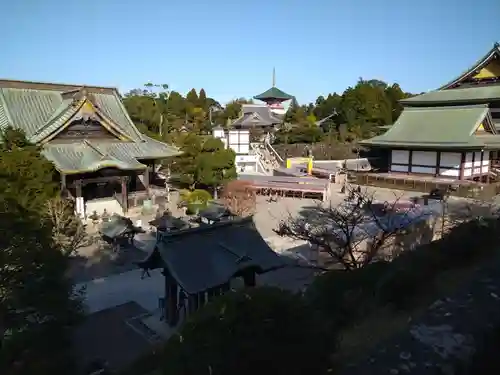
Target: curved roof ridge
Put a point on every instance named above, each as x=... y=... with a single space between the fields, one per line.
x=66 y=109
x=478 y=65
x=112 y=122
x=139 y=135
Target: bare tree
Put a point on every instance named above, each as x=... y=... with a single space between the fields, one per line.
x=68 y=231
x=457 y=211
x=239 y=197
x=361 y=230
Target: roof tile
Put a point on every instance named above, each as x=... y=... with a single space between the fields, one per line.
x=434 y=126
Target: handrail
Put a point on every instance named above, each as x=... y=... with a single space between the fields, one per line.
x=273 y=151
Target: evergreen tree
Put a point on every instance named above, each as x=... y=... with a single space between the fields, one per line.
x=37 y=301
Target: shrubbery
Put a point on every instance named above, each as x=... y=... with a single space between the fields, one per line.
x=345 y=296
x=255 y=331
x=269 y=330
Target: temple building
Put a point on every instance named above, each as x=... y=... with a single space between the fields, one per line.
x=102 y=159
x=452 y=133
x=274 y=98
x=257 y=116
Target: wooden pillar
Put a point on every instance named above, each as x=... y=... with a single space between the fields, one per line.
x=389 y=160
x=225 y=288
x=438 y=163
x=79 y=201
x=473 y=162
x=249 y=278
x=410 y=160
x=63 y=182
x=146 y=179
x=488 y=175
x=78 y=188
x=481 y=166
x=124 y=181
x=462 y=166
x=171 y=298
x=193 y=302
x=213 y=292
x=202 y=299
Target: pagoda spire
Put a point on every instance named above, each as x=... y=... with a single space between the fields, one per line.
x=274 y=77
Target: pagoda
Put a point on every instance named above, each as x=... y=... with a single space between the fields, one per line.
x=274 y=97
x=451 y=133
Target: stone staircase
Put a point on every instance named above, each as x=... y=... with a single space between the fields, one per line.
x=269 y=159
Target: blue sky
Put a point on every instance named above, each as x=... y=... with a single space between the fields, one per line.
x=230 y=47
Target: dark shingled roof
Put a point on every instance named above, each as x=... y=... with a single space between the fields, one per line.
x=256 y=115
x=167 y=222
x=209 y=256
x=215 y=212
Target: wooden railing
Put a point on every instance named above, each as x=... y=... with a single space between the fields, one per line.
x=495 y=163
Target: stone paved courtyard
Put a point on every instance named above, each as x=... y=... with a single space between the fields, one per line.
x=99 y=261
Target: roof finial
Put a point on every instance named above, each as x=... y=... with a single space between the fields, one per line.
x=274 y=77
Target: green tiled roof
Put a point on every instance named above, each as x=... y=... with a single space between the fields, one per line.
x=274 y=93
x=468 y=95
x=40 y=110
x=91 y=155
x=435 y=127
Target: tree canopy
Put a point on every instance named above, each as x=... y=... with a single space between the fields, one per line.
x=251 y=331
x=359 y=110
x=205 y=162
x=37 y=302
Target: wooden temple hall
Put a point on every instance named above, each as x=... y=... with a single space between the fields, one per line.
x=200 y=263
x=450 y=134
x=86 y=132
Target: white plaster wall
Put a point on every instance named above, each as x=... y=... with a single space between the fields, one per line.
x=468 y=160
x=399 y=168
x=450 y=159
x=424 y=158
x=234 y=137
x=427 y=170
x=239 y=141
x=244 y=136
x=244 y=149
x=218 y=133
x=449 y=172
x=486 y=158
x=477 y=159
x=400 y=156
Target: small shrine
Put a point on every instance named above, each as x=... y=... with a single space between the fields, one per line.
x=200 y=263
